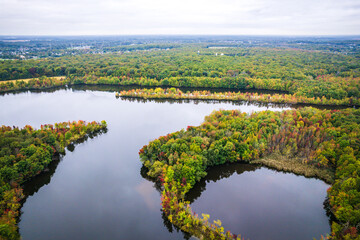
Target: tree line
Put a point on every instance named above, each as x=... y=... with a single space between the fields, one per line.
x=305 y=73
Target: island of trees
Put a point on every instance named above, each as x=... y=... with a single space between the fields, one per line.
x=174 y=93
x=24 y=154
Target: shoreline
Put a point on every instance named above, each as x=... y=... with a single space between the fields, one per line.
x=231 y=99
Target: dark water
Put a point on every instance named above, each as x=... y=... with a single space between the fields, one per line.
x=117 y=88
x=96 y=190
x=260 y=203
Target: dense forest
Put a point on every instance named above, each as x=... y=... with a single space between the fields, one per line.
x=317 y=143
x=304 y=73
x=190 y=61
x=25 y=153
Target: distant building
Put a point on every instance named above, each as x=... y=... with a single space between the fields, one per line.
x=81 y=48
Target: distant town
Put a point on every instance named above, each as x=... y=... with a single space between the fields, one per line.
x=27 y=47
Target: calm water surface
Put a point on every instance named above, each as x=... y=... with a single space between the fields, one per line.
x=96 y=190
x=260 y=203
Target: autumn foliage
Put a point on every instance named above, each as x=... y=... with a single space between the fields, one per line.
x=327 y=140
x=25 y=153
x=173 y=93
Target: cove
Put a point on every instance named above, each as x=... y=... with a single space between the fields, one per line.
x=96 y=190
x=261 y=203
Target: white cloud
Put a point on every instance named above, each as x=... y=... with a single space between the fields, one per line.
x=77 y=17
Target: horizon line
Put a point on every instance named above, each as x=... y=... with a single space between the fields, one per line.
x=201 y=35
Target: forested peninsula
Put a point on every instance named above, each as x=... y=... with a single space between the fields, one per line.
x=24 y=154
x=311 y=142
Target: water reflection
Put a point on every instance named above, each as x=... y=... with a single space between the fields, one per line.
x=235 y=103
x=198 y=101
x=157 y=185
x=33 y=185
x=260 y=203
x=172 y=228
x=217 y=173
x=116 y=88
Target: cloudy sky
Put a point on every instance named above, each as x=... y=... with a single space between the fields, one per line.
x=235 y=17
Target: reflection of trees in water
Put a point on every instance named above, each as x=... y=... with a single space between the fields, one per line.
x=34 y=184
x=216 y=173
x=197 y=101
x=157 y=185
x=44 y=178
x=117 y=88
x=235 y=103
x=171 y=227
x=49 y=90
x=31 y=187
x=213 y=174
x=71 y=147
x=225 y=171
x=329 y=213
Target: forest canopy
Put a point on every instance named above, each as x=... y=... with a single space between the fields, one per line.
x=296 y=71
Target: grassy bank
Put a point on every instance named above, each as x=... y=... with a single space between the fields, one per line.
x=30 y=79
x=33 y=84
x=297 y=166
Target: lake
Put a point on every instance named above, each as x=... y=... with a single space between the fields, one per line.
x=96 y=191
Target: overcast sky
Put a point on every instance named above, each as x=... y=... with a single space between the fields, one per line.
x=234 y=17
